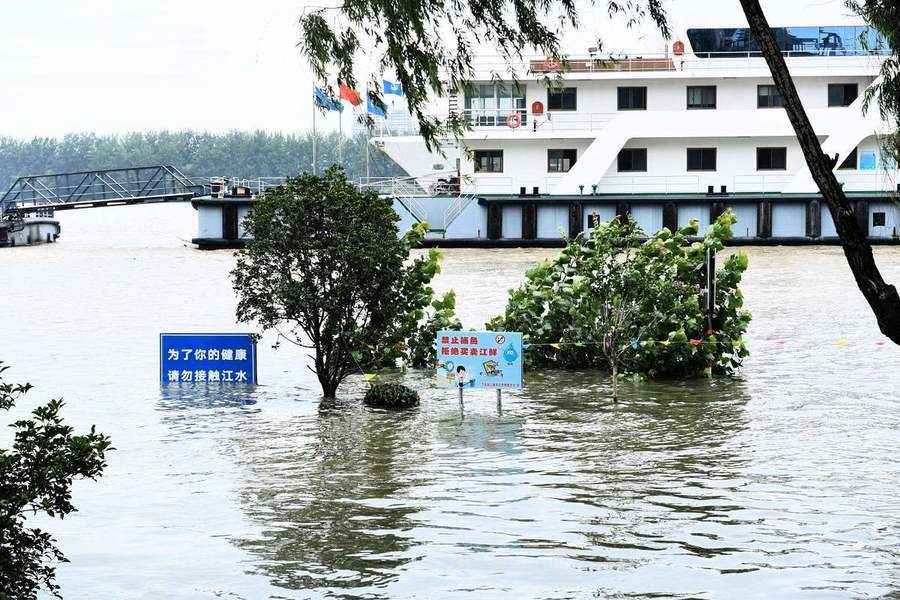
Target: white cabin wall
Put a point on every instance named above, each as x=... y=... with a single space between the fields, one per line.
x=524 y=164
x=601 y=96
x=668 y=158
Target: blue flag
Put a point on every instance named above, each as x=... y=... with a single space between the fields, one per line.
x=392 y=88
x=374 y=109
x=322 y=99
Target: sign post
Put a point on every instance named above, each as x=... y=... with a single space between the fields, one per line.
x=479 y=360
x=228 y=358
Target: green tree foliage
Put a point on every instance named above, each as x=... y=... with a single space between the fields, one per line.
x=328 y=270
x=201 y=154
x=612 y=298
x=430 y=45
x=439 y=316
x=884 y=16
x=36 y=476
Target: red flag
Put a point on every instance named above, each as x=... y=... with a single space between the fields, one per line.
x=349 y=94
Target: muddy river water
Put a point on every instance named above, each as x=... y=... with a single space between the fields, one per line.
x=783 y=483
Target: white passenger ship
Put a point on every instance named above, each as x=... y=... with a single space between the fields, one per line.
x=665 y=138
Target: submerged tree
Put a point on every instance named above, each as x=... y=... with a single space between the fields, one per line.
x=328 y=270
x=616 y=301
x=430 y=46
x=36 y=476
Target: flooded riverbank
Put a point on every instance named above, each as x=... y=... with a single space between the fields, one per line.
x=779 y=484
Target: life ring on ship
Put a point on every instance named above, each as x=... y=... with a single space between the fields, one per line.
x=514 y=121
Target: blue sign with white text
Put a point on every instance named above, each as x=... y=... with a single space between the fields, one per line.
x=479 y=359
x=207 y=358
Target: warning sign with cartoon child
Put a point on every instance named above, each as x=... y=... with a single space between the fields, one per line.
x=479 y=359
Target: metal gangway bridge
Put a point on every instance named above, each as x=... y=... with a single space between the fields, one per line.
x=42 y=195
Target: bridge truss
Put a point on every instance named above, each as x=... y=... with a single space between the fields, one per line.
x=43 y=194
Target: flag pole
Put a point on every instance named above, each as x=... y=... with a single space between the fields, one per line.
x=368 y=133
x=340 y=137
x=315 y=171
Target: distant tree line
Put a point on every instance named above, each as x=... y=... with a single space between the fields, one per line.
x=196 y=153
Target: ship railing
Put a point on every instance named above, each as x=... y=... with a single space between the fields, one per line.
x=457 y=207
x=640 y=61
x=764 y=184
x=525 y=120
x=879 y=179
x=434 y=183
x=677 y=184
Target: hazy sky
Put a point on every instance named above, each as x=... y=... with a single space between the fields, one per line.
x=113 y=66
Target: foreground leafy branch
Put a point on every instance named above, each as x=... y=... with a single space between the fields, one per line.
x=36 y=476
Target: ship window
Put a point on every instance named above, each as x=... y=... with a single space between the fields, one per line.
x=701 y=96
x=632 y=98
x=701 y=159
x=560 y=161
x=489 y=161
x=489 y=104
x=771 y=159
x=562 y=98
x=879 y=219
x=768 y=96
x=850 y=161
x=842 y=94
x=632 y=159
x=837 y=40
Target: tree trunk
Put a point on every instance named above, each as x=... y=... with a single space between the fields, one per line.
x=329 y=389
x=882 y=297
x=615 y=380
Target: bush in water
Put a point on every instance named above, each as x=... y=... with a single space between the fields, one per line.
x=613 y=299
x=392 y=396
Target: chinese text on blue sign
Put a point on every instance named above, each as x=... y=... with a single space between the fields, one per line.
x=479 y=359
x=207 y=358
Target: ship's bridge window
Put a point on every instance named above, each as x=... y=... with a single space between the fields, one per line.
x=560 y=161
x=632 y=98
x=489 y=161
x=562 y=98
x=842 y=94
x=768 y=96
x=701 y=96
x=489 y=104
x=840 y=40
x=771 y=159
x=632 y=159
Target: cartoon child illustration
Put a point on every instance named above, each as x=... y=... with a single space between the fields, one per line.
x=462 y=377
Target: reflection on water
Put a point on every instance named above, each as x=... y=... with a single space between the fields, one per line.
x=351 y=502
x=782 y=484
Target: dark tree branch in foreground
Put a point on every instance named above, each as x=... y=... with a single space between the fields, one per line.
x=430 y=45
x=881 y=296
